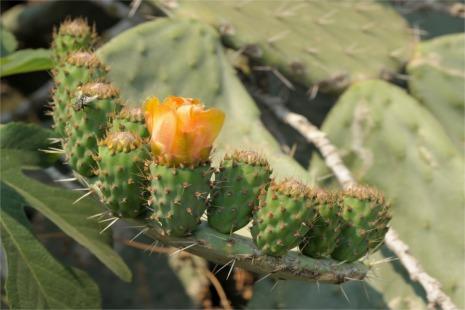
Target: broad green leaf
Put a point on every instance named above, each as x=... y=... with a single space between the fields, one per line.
x=35 y=278
x=18 y=142
x=8 y=43
x=185 y=58
x=27 y=60
x=27 y=137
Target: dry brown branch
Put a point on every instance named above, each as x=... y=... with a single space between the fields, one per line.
x=211 y=277
x=219 y=289
x=435 y=295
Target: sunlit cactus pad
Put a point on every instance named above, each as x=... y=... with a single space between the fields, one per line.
x=437 y=79
x=325 y=43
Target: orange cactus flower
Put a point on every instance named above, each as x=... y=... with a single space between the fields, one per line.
x=182 y=130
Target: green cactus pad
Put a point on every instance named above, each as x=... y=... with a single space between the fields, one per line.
x=131 y=118
x=79 y=68
x=436 y=78
x=88 y=124
x=366 y=216
x=323 y=236
x=121 y=157
x=178 y=196
x=72 y=36
x=324 y=43
x=236 y=188
x=390 y=141
x=283 y=216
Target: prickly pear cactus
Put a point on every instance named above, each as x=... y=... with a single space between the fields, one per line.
x=284 y=213
x=88 y=122
x=436 y=78
x=324 y=43
x=72 y=36
x=136 y=54
x=121 y=157
x=390 y=141
x=130 y=118
x=79 y=68
x=178 y=196
x=236 y=187
x=366 y=215
x=323 y=236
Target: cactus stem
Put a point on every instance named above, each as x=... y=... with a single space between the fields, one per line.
x=215 y=247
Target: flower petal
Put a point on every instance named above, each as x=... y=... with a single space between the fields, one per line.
x=150 y=105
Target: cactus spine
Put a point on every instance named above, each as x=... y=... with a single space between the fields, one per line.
x=121 y=157
x=93 y=106
x=366 y=217
x=178 y=196
x=236 y=187
x=283 y=216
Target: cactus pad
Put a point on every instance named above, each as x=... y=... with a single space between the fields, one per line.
x=283 y=216
x=323 y=236
x=325 y=43
x=131 y=118
x=366 y=215
x=72 y=36
x=178 y=196
x=121 y=157
x=89 y=120
x=437 y=76
x=236 y=188
x=80 y=68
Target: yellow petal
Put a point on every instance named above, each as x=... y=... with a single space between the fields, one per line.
x=177 y=102
x=199 y=129
x=150 y=105
x=164 y=128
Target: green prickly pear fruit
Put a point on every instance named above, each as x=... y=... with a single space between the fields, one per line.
x=178 y=196
x=131 y=118
x=366 y=216
x=79 y=68
x=88 y=122
x=72 y=36
x=282 y=218
x=236 y=189
x=121 y=157
x=323 y=236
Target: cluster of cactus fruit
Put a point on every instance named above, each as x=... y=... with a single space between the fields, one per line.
x=108 y=142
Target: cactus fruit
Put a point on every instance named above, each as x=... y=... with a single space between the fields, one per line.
x=72 y=36
x=323 y=236
x=436 y=78
x=79 y=68
x=178 y=196
x=322 y=43
x=392 y=142
x=88 y=122
x=236 y=188
x=283 y=216
x=130 y=118
x=366 y=217
x=121 y=157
